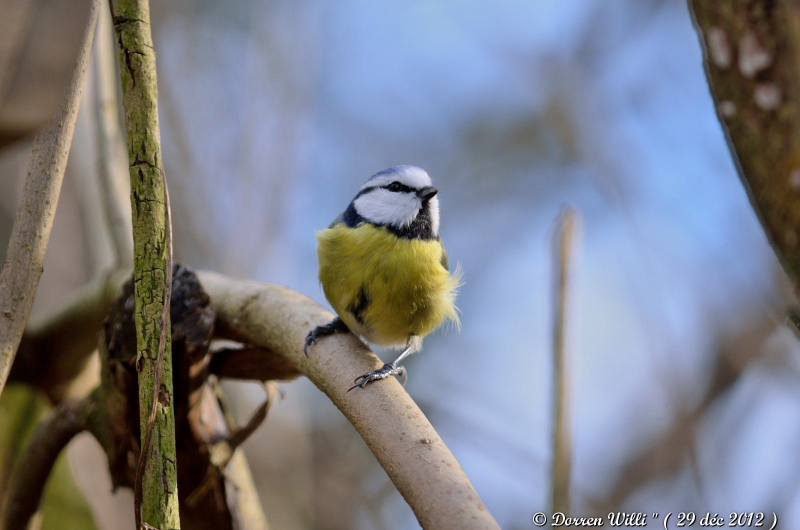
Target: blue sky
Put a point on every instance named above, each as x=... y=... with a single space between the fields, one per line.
x=514 y=109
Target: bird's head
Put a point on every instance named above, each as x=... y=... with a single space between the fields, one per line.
x=402 y=199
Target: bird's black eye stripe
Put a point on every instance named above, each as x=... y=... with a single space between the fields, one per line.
x=398 y=186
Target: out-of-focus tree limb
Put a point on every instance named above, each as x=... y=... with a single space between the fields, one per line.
x=50 y=438
x=566 y=238
x=229 y=500
x=247 y=506
x=200 y=419
x=251 y=363
x=223 y=451
x=39 y=42
x=22 y=268
x=56 y=346
x=418 y=462
x=112 y=163
x=752 y=60
x=669 y=451
x=273 y=322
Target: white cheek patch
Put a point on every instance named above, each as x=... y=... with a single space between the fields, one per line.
x=433 y=208
x=385 y=207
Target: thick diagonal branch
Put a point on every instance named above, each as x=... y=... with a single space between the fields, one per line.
x=22 y=269
x=416 y=459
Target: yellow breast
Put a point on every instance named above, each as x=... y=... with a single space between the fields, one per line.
x=385 y=288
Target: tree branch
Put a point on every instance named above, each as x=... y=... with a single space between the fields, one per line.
x=111 y=144
x=566 y=233
x=223 y=451
x=418 y=462
x=252 y=363
x=33 y=78
x=666 y=454
x=152 y=269
x=752 y=59
x=22 y=269
x=247 y=506
x=57 y=346
x=200 y=418
x=66 y=421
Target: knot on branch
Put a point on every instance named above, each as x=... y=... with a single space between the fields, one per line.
x=200 y=420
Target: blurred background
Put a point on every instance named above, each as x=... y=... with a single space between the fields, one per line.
x=273 y=112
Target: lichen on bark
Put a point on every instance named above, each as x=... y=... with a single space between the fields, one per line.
x=152 y=257
x=753 y=67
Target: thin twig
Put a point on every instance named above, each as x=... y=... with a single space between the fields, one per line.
x=222 y=452
x=111 y=160
x=666 y=454
x=563 y=257
x=247 y=506
x=22 y=269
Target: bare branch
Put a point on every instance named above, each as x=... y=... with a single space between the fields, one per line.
x=252 y=363
x=200 y=417
x=416 y=459
x=222 y=452
x=246 y=507
x=50 y=438
x=112 y=170
x=57 y=346
x=22 y=268
x=156 y=489
x=664 y=455
x=566 y=233
x=33 y=78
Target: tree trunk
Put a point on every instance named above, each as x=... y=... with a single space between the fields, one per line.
x=752 y=60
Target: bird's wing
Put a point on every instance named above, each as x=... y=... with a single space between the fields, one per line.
x=445 y=257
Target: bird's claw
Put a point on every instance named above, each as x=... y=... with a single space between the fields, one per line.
x=334 y=326
x=311 y=339
x=388 y=370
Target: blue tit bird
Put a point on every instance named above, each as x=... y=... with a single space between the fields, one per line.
x=384 y=268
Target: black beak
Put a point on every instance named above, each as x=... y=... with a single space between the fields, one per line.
x=427 y=193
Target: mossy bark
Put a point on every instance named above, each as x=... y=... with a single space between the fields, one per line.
x=152 y=256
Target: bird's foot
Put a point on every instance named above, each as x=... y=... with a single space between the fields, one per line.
x=334 y=326
x=388 y=370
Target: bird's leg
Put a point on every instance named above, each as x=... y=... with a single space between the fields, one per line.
x=389 y=369
x=334 y=326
